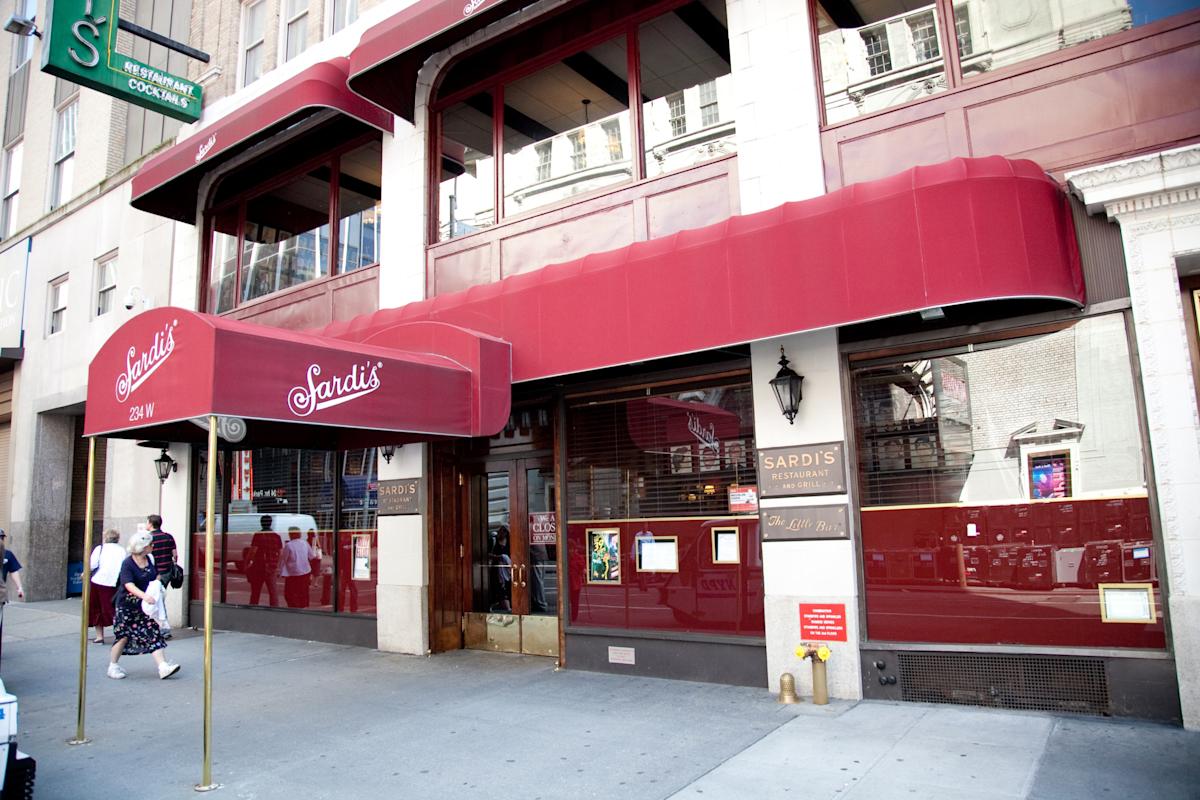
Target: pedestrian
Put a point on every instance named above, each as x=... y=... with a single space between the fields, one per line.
x=106 y=568
x=135 y=632
x=295 y=568
x=8 y=566
x=165 y=556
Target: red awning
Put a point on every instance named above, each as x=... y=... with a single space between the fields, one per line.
x=963 y=231
x=384 y=65
x=167 y=367
x=168 y=183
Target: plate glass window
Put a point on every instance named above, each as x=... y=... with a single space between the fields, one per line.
x=106 y=284
x=12 y=188
x=254 y=26
x=343 y=13
x=64 y=153
x=57 y=305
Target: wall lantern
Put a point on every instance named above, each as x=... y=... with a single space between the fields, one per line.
x=22 y=26
x=165 y=465
x=786 y=385
x=387 y=451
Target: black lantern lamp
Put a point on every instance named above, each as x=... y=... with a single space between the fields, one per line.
x=165 y=465
x=387 y=451
x=786 y=385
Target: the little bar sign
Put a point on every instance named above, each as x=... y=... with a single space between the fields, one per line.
x=80 y=45
x=822 y=622
x=802 y=470
x=400 y=497
x=799 y=523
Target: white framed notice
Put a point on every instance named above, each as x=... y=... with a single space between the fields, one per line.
x=726 y=546
x=362 y=557
x=1127 y=602
x=658 y=554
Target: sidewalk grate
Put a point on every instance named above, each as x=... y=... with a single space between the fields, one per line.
x=1073 y=685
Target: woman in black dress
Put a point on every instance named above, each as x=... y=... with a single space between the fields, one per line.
x=137 y=633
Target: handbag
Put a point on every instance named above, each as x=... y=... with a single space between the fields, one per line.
x=175 y=577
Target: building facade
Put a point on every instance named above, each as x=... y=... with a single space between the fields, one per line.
x=968 y=226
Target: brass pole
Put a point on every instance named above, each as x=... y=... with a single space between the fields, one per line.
x=206 y=783
x=90 y=509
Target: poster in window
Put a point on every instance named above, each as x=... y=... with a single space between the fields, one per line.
x=604 y=555
x=1049 y=476
x=735 y=454
x=658 y=554
x=362 y=557
x=726 y=546
x=681 y=459
x=710 y=458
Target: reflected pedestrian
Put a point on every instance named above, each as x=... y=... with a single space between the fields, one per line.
x=295 y=568
x=106 y=562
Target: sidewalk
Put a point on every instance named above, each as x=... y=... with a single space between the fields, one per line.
x=305 y=719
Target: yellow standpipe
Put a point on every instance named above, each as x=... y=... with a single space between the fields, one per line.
x=819 y=655
x=206 y=783
x=80 y=738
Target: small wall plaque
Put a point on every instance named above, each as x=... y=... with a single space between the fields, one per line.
x=401 y=496
x=802 y=470
x=800 y=523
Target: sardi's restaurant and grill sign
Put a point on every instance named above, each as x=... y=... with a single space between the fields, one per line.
x=802 y=469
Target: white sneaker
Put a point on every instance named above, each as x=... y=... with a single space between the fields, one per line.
x=115 y=672
x=166 y=669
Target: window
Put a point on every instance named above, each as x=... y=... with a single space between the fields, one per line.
x=106 y=284
x=64 y=153
x=342 y=14
x=22 y=46
x=710 y=113
x=57 y=305
x=1009 y=468
x=12 y=189
x=924 y=36
x=578 y=150
x=612 y=132
x=547 y=113
x=543 y=155
x=278 y=236
x=295 y=33
x=873 y=58
x=254 y=26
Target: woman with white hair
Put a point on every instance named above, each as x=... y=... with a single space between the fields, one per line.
x=136 y=632
x=106 y=562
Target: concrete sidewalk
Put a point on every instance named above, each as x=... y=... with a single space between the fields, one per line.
x=305 y=719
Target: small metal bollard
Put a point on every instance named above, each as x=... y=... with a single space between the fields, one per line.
x=787 y=689
x=819 y=656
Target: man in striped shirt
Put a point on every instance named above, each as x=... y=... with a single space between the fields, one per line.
x=165 y=554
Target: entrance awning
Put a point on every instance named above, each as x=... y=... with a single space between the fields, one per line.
x=167 y=367
x=384 y=65
x=964 y=231
x=168 y=183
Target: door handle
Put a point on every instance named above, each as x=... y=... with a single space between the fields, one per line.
x=522 y=575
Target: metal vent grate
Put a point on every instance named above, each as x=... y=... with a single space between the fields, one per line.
x=1049 y=683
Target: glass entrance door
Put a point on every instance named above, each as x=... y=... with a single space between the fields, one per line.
x=514 y=558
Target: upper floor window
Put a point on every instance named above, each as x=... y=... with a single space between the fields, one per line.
x=22 y=46
x=57 y=305
x=254 y=28
x=106 y=284
x=342 y=14
x=581 y=116
x=878 y=55
x=295 y=28
x=63 y=171
x=319 y=220
x=12 y=189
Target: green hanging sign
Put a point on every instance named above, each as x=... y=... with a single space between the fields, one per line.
x=80 y=45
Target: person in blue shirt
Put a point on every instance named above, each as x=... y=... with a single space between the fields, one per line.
x=10 y=567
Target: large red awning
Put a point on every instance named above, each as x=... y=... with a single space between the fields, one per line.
x=167 y=367
x=384 y=65
x=963 y=231
x=168 y=183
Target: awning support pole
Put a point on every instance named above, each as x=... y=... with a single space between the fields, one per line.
x=80 y=738
x=206 y=783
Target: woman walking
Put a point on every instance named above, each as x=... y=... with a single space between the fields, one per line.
x=136 y=633
x=106 y=568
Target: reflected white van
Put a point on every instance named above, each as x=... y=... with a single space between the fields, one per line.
x=242 y=528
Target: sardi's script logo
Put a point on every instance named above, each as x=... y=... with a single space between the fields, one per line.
x=205 y=148
x=471 y=6
x=706 y=436
x=362 y=379
x=139 y=367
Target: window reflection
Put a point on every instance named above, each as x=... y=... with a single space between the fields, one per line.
x=468 y=168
